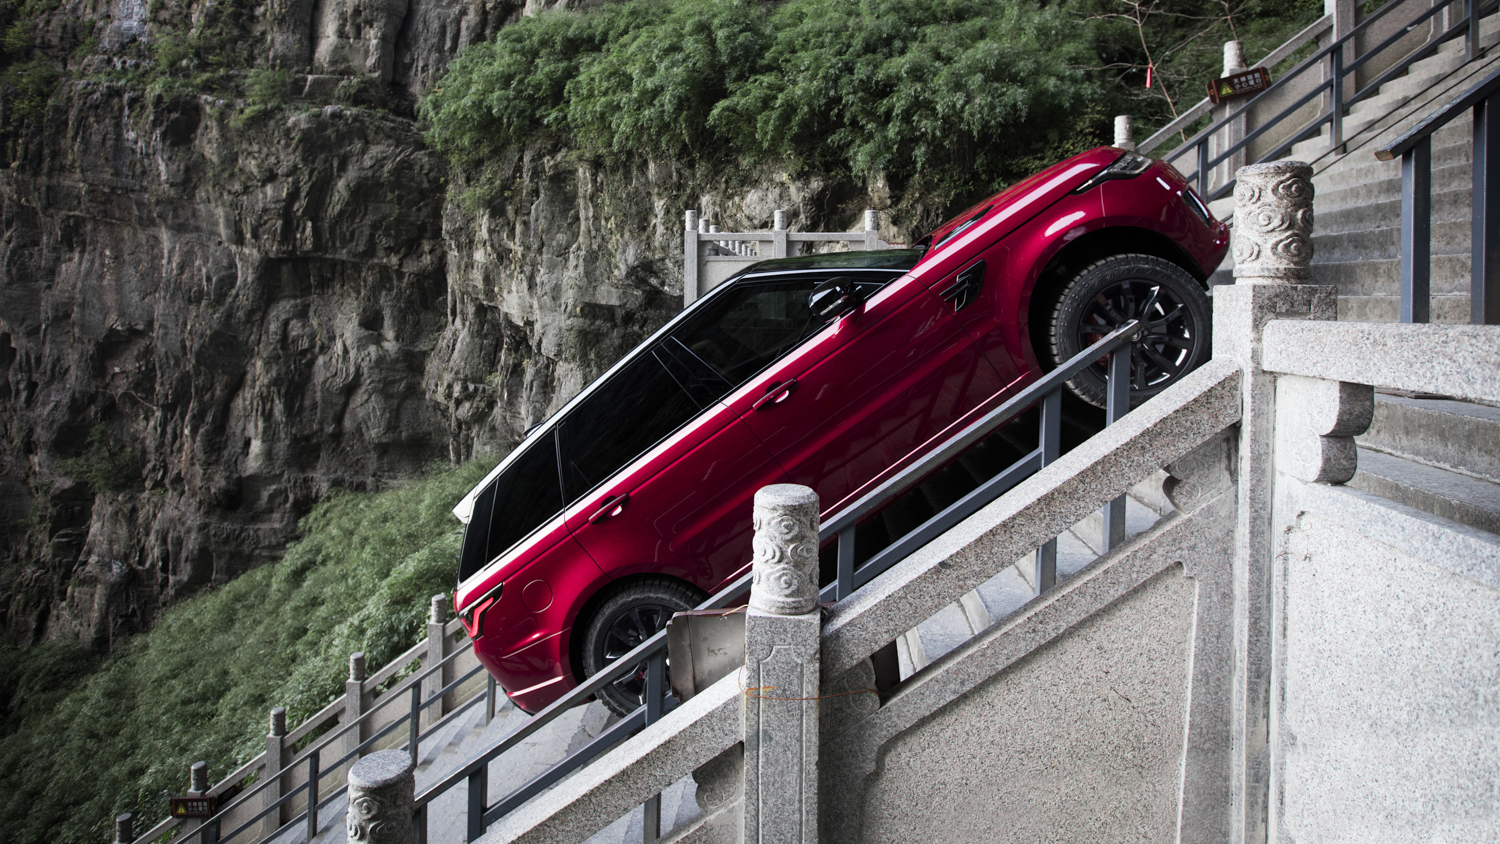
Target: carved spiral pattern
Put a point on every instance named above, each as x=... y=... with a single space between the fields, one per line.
x=380 y=811
x=1273 y=222
x=785 y=550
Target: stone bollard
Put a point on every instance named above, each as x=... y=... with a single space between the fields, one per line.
x=276 y=758
x=1124 y=132
x=778 y=234
x=124 y=828
x=1234 y=62
x=1234 y=57
x=1273 y=221
x=382 y=797
x=198 y=779
x=782 y=630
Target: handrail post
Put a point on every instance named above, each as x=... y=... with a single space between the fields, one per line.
x=1336 y=112
x=354 y=704
x=656 y=690
x=1234 y=130
x=1484 y=266
x=1124 y=132
x=436 y=651
x=479 y=789
x=781 y=674
x=1416 y=232
x=275 y=765
x=872 y=230
x=1471 y=42
x=778 y=234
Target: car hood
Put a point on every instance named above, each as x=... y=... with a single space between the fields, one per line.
x=1000 y=214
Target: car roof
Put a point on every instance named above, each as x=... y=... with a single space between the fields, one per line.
x=894 y=260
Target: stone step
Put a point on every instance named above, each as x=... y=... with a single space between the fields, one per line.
x=1460 y=498
x=1378 y=205
x=1446 y=309
x=1382 y=277
x=1455 y=435
x=1449 y=237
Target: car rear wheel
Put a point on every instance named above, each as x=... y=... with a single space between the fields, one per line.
x=1111 y=292
x=625 y=620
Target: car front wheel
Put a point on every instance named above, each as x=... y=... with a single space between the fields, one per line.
x=1107 y=294
x=622 y=622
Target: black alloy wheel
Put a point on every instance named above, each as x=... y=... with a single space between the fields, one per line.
x=1105 y=295
x=624 y=621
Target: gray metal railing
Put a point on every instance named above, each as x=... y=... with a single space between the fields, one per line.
x=840 y=528
x=1415 y=150
x=239 y=802
x=1333 y=77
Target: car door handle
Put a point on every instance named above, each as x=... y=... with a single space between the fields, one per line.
x=775 y=394
x=611 y=507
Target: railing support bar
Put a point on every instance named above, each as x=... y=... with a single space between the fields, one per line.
x=656 y=688
x=414 y=725
x=845 y=572
x=312 y=797
x=1051 y=447
x=1117 y=405
x=479 y=786
x=1471 y=43
x=1484 y=266
x=1336 y=128
x=1203 y=168
x=1416 y=232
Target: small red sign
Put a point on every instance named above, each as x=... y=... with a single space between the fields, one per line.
x=1239 y=85
x=193 y=807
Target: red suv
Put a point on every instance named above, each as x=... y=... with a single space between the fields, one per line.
x=834 y=371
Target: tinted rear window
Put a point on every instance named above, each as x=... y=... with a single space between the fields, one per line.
x=523 y=498
x=631 y=412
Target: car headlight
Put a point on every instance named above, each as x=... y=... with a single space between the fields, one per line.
x=1127 y=166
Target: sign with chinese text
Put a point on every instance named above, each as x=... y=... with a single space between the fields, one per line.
x=193 y=807
x=1239 y=85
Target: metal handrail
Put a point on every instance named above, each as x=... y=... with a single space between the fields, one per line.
x=310 y=755
x=1203 y=106
x=1046 y=390
x=1333 y=53
x=1476 y=94
x=1415 y=149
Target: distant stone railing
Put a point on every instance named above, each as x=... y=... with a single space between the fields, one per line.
x=258 y=798
x=710 y=255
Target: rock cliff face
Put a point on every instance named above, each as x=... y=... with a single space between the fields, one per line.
x=254 y=303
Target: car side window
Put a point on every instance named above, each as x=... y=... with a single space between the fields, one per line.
x=631 y=412
x=524 y=497
x=747 y=328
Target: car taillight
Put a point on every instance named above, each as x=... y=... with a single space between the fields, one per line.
x=472 y=616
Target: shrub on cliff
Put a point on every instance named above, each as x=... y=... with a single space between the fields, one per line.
x=82 y=739
x=945 y=95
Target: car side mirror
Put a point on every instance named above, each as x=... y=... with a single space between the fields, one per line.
x=834 y=298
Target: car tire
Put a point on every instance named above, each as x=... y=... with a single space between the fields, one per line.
x=623 y=621
x=1107 y=294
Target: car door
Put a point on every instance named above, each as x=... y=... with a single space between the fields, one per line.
x=659 y=474
x=846 y=405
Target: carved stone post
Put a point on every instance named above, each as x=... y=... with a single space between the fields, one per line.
x=275 y=763
x=436 y=650
x=1234 y=62
x=690 y=259
x=124 y=828
x=778 y=234
x=782 y=631
x=382 y=797
x=1273 y=222
x=1124 y=132
x=354 y=703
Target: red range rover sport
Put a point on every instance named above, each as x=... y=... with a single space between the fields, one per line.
x=633 y=501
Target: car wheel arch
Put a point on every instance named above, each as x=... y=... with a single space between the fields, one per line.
x=589 y=606
x=1040 y=294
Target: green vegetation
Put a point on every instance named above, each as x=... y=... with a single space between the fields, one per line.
x=85 y=738
x=103 y=466
x=943 y=99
